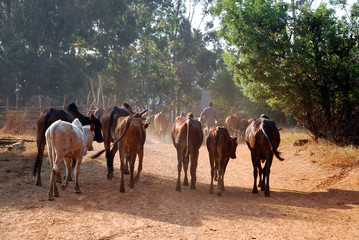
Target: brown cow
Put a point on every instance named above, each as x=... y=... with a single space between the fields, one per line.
x=109 y=123
x=243 y=124
x=187 y=137
x=262 y=138
x=221 y=146
x=161 y=124
x=130 y=136
x=232 y=123
x=49 y=116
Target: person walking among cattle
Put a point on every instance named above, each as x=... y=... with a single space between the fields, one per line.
x=209 y=117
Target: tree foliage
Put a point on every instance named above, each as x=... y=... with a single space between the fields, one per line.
x=306 y=65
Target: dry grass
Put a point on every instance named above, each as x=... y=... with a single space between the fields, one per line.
x=15 y=122
x=320 y=151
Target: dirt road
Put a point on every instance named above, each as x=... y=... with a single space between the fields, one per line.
x=308 y=201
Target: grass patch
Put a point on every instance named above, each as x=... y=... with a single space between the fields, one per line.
x=320 y=151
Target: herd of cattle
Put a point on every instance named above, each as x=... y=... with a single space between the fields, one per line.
x=68 y=136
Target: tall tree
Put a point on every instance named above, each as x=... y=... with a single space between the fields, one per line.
x=312 y=74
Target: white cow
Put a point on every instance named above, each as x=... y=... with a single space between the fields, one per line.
x=67 y=141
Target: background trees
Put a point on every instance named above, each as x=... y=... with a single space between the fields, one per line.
x=282 y=57
x=305 y=64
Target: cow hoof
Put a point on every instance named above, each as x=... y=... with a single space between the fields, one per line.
x=38 y=183
x=64 y=186
x=193 y=187
x=57 y=194
x=267 y=194
x=51 y=199
x=219 y=194
x=185 y=183
x=255 y=190
x=122 y=189
x=126 y=171
x=109 y=176
x=178 y=189
x=77 y=191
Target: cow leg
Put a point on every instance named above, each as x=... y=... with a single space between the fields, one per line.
x=131 y=158
x=77 y=172
x=194 y=159
x=51 y=187
x=122 y=159
x=224 y=171
x=67 y=162
x=73 y=164
x=266 y=172
x=140 y=160
x=38 y=163
x=179 y=169
x=220 y=179
x=211 y=162
x=185 y=168
x=110 y=155
x=261 y=180
x=255 y=162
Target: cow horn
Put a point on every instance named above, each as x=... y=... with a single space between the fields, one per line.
x=143 y=112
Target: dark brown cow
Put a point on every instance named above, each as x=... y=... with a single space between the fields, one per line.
x=161 y=124
x=109 y=123
x=130 y=136
x=262 y=138
x=221 y=146
x=46 y=118
x=187 y=137
x=233 y=122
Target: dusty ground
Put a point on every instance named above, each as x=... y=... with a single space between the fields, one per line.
x=308 y=201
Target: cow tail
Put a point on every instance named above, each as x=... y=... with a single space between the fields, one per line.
x=108 y=147
x=55 y=168
x=37 y=161
x=187 y=139
x=274 y=150
x=216 y=143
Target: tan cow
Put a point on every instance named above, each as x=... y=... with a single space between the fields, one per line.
x=221 y=146
x=161 y=124
x=67 y=141
x=130 y=136
x=262 y=138
x=232 y=123
x=187 y=137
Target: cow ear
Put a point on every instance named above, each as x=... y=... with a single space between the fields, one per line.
x=92 y=127
x=146 y=125
x=93 y=117
x=234 y=139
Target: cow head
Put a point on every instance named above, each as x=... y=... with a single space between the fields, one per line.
x=139 y=115
x=89 y=136
x=234 y=147
x=97 y=125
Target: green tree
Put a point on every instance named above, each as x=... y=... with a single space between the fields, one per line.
x=307 y=66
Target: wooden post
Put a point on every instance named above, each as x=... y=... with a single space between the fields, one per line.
x=92 y=89
x=64 y=106
x=40 y=103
